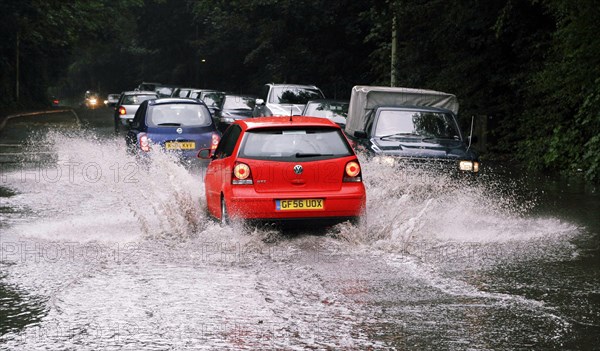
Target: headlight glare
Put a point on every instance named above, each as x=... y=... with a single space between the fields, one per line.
x=469 y=166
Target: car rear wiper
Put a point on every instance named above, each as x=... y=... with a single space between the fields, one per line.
x=398 y=135
x=170 y=124
x=299 y=154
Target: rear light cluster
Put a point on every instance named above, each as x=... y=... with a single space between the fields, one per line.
x=352 y=172
x=215 y=141
x=241 y=174
x=122 y=110
x=144 y=142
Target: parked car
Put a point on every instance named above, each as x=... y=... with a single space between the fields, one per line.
x=212 y=99
x=285 y=99
x=200 y=93
x=232 y=108
x=414 y=126
x=335 y=110
x=147 y=86
x=165 y=91
x=128 y=104
x=112 y=100
x=182 y=92
x=178 y=125
x=278 y=169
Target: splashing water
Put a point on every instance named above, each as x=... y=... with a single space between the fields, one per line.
x=95 y=181
x=80 y=179
x=420 y=223
x=410 y=208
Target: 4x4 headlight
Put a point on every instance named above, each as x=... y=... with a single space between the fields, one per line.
x=470 y=166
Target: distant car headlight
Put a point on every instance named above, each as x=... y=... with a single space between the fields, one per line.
x=93 y=101
x=470 y=166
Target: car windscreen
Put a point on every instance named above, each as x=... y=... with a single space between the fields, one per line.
x=213 y=99
x=178 y=115
x=326 y=109
x=233 y=102
x=398 y=123
x=164 y=91
x=294 y=95
x=147 y=86
x=136 y=99
x=294 y=144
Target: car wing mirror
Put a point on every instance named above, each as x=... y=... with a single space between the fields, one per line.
x=260 y=102
x=205 y=154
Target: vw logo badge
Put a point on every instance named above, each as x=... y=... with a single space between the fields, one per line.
x=179 y=130
x=298 y=169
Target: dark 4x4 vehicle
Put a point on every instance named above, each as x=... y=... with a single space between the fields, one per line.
x=401 y=125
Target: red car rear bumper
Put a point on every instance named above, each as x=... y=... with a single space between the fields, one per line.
x=244 y=202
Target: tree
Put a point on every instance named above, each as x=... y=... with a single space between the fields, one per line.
x=560 y=125
x=47 y=32
x=295 y=41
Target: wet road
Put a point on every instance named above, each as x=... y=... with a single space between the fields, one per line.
x=98 y=252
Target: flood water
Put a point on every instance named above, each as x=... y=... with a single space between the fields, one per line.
x=101 y=252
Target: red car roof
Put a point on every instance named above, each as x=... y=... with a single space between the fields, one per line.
x=295 y=121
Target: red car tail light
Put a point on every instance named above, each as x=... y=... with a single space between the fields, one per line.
x=241 y=174
x=144 y=142
x=352 y=172
x=215 y=141
x=122 y=110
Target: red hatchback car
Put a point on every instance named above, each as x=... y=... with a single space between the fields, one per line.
x=279 y=168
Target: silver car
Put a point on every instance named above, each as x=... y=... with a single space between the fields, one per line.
x=128 y=104
x=285 y=99
x=335 y=110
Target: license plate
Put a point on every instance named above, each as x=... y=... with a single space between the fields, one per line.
x=299 y=204
x=180 y=145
